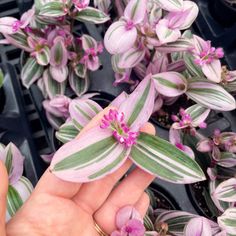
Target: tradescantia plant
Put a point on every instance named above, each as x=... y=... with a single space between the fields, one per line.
x=55 y=54
x=105 y=147
x=19 y=188
x=150 y=41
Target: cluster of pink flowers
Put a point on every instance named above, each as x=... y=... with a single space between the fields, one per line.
x=115 y=121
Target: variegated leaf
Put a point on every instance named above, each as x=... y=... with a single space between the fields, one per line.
x=192 y=67
x=79 y=85
x=159 y=157
x=53 y=9
x=92 y=15
x=198 y=114
x=221 y=206
x=82 y=112
x=176 y=220
x=52 y=87
x=17 y=195
x=170 y=84
x=211 y=95
x=227 y=221
x=170 y=5
x=18 y=39
x=67 y=132
x=43 y=56
x=1 y=78
x=226 y=191
x=92 y=156
x=148 y=223
x=139 y=105
x=30 y=72
x=80 y=70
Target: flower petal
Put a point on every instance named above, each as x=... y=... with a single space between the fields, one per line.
x=204 y=145
x=92 y=156
x=118 y=39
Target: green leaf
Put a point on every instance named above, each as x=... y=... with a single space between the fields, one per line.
x=79 y=85
x=92 y=15
x=164 y=160
x=31 y=71
x=53 y=9
x=67 y=132
x=1 y=78
x=14 y=201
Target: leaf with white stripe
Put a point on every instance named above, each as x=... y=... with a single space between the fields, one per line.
x=53 y=87
x=227 y=221
x=82 y=112
x=192 y=67
x=17 y=194
x=162 y=159
x=226 y=191
x=91 y=15
x=170 y=5
x=139 y=105
x=30 y=72
x=198 y=114
x=53 y=9
x=79 y=85
x=93 y=156
x=67 y=132
x=211 y=95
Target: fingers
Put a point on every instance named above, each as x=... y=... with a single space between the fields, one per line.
x=128 y=192
x=3 y=197
x=142 y=204
x=100 y=188
x=52 y=185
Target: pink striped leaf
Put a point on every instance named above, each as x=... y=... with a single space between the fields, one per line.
x=131 y=58
x=53 y=9
x=92 y=156
x=59 y=54
x=79 y=85
x=136 y=11
x=119 y=39
x=213 y=71
x=170 y=84
x=226 y=191
x=82 y=112
x=160 y=158
x=198 y=226
x=59 y=74
x=171 y=5
x=227 y=221
x=43 y=56
x=139 y=105
x=6 y=25
x=211 y=95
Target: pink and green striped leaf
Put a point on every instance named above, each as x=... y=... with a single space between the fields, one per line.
x=82 y=112
x=53 y=87
x=43 y=57
x=170 y=84
x=80 y=70
x=92 y=15
x=227 y=221
x=79 y=85
x=30 y=72
x=162 y=159
x=53 y=9
x=59 y=74
x=93 y=156
x=226 y=191
x=171 y=5
x=211 y=95
x=67 y=132
x=139 y=105
x=198 y=114
x=17 y=194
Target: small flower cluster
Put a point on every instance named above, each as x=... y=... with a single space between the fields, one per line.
x=115 y=121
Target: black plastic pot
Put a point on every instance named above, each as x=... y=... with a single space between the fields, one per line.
x=2 y=99
x=224 y=13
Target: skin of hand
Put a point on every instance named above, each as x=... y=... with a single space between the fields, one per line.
x=61 y=208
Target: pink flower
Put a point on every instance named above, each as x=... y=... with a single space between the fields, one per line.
x=129 y=222
x=120 y=130
x=81 y=4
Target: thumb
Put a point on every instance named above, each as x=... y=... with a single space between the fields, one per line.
x=3 y=196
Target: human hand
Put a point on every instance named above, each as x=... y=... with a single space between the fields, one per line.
x=61 y=208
